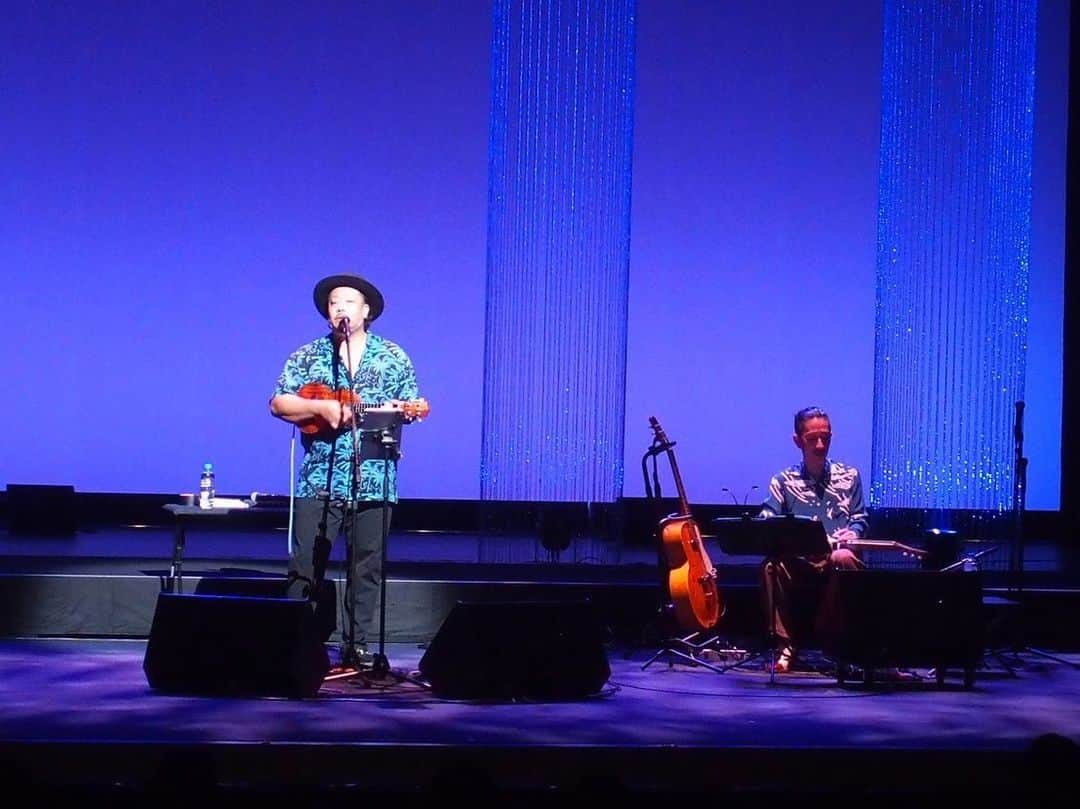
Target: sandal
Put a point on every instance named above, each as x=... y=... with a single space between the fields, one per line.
x=785 y=659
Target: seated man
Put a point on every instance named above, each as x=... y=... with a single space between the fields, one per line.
x=824 y=490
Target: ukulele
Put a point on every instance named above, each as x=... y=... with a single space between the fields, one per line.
x=412 y=410
x=691 y=576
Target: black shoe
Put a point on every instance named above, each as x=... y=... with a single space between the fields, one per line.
x=357 y=656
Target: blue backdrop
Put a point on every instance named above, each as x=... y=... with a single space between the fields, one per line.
x=176 y=177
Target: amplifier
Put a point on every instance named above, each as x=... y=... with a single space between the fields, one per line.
x=905 y=618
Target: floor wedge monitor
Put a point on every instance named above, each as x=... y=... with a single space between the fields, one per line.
x=506 y=650
x=235 y=645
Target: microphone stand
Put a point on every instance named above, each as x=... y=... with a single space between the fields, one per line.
x=1019 y=495
x=746 y=497
x=1019 y=505
x=321 y=545
x=348 y=657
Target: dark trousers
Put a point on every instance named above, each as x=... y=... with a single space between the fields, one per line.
x=794 y=594
x=362 y=525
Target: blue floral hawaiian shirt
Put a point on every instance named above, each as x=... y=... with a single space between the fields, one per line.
x=385 y=373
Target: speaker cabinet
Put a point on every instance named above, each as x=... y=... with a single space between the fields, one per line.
x=41 y=510
x=539 y=650
x=235 y=645
x=878 y=618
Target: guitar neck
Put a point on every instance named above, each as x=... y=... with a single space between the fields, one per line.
x=661 y=437
x=882 y=544
x=684 y=504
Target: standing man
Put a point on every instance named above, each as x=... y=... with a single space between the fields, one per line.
x=824 y=490
x=337 y=491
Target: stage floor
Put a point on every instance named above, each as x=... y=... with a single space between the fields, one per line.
x=78 y=717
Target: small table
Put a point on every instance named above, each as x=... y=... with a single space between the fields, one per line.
x=185 y=515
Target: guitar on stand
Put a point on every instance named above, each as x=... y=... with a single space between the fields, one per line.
x=695 y=598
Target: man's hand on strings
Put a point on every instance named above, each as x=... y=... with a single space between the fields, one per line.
x=842 y=536
x=337 y=414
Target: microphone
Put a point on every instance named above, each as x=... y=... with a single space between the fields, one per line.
x=343 y=326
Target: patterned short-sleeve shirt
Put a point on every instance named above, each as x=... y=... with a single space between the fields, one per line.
x=836 y=500
x=385 y=372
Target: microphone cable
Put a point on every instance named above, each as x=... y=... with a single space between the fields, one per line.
x=292 y=487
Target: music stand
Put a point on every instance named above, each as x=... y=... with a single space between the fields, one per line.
x=774 y=538
x=377 y=437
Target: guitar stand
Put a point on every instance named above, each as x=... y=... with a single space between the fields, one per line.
x=689 y=649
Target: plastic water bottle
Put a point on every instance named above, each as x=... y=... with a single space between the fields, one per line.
x=206 y=486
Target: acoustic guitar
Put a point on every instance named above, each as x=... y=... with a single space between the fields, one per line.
x=691 y=575
x=412 y=410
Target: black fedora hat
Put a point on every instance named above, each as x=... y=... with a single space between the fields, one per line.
x=371 y=294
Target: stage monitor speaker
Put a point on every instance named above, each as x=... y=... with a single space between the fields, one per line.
x=905 y=618
x=35 y=510
x=235 y=645
x=534 y=650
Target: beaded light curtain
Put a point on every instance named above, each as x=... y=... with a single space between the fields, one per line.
x=558 y=250
x=958 y=80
